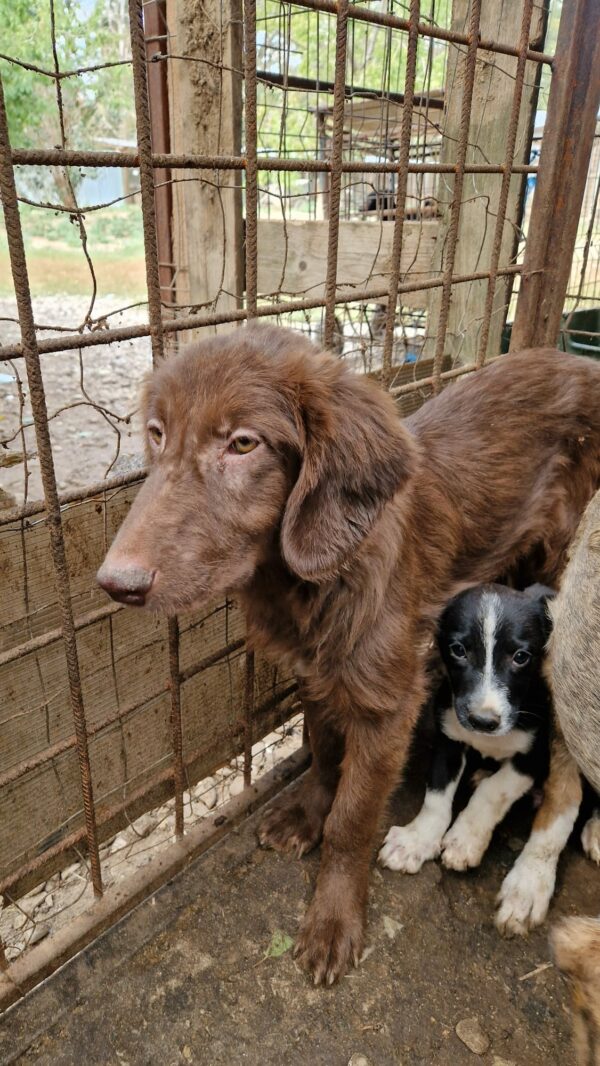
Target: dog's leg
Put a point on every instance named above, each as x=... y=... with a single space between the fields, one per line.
x=407 y=847
x=295 y=822
x=590 y=837
x=576 y=945
x=527 y=889
x=466 y=842
x=332 y=934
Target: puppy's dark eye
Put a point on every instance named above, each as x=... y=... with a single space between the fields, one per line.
x=242 y=445
x=457 y=650
x=521 y=657
x=155 y=432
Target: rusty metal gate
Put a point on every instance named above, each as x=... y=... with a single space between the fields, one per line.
x=183 y=697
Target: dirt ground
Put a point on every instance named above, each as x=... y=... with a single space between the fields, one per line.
x=184 y=978
x=84 y=440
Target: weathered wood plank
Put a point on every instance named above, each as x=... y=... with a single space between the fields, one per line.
x=490 y=116
x=292 y=256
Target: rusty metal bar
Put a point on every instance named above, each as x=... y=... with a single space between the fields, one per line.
x=248 y=717
x=509 y=158
x=144 y=140
x=78 y=836
x=31 y=355
x=425 y=29
x=564 y=161
x=251 y=157
x=461 y=155
x=155 y=22
x=89 y=340
x=84 y=494
x=404 y=153
x=446 y=375
x=53 y=157
x=335 y=187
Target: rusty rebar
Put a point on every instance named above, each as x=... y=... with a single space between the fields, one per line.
x=144 y=142
x=14 y=233
x=51 y=636
x=404 y=153
x=509 y=157
x=248 y=716
x=461 y=155
x=251 y=123
x=335 y=185
x=425 y=29
x=109 y=336
x=53 y=157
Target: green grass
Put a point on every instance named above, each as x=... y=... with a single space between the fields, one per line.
x=55 y=255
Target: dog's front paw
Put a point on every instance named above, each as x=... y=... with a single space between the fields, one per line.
x=407 y=847
x=462 y=848
x=525 y=895
x=590 y=837
x=330 y=941
x=295 y=823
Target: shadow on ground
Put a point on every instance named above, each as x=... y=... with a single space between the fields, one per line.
x=183 y=979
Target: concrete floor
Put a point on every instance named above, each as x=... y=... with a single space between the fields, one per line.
x=183 y=979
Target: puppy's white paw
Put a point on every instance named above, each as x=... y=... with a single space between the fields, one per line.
x=462 y=848
x=525 y=895
x=407 y=847
x=590 y=837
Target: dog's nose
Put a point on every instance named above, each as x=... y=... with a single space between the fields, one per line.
x=126 y=584
x=487 y=721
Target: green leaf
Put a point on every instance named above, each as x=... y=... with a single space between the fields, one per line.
x=280 y=943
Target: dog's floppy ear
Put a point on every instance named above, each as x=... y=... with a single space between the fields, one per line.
x=356 y=454
x=542 y=594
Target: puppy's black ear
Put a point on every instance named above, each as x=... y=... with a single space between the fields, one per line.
x=542 y=595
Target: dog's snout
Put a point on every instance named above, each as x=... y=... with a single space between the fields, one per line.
x=126 y=583
x=485 y=721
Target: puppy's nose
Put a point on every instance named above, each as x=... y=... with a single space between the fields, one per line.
x=126 y=584
x=487 y=721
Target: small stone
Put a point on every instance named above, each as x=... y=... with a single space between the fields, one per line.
x=472 y=1035
x=48 y=901
x=515 y=844
x=119 y=843
x=496 y=1061
x=40 y=932
x=70 y=871
x=358 y=1060
x=391 y=927
x=186 y=1051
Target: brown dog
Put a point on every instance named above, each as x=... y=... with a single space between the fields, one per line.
x=280 y=477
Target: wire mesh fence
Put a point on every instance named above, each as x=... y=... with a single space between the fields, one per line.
x=363 y=174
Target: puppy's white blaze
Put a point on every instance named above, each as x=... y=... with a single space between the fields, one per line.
x=490 y=695
x=527 y=889
x=466 y=842
x=407 y=847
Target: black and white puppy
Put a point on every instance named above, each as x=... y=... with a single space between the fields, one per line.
x=493 y=699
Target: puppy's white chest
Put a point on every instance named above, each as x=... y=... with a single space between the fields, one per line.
x=491 y=747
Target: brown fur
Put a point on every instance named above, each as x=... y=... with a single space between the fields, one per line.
x=343 y=534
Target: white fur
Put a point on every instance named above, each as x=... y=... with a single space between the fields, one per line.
x=492 y=745
x=466 y=842
x=590 y=837
x=407 y=847
x=527 y=889
x=490 y=699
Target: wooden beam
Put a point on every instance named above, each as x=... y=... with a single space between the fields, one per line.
x=293 y=256
x=564 y=162
x=490 y=116
x=205 y=100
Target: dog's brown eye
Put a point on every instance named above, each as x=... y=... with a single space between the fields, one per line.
x=243 y=445
x=155 y=433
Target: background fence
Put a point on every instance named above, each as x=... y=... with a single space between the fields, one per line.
x=362 y=173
